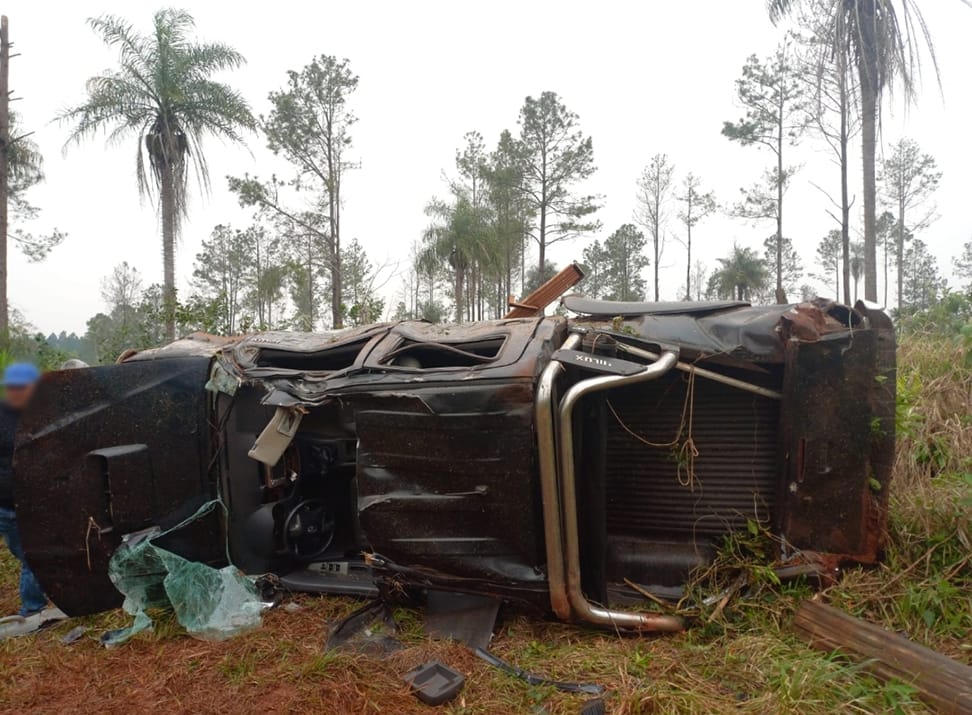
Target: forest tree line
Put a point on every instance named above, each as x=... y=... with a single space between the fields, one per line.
x=505 y=202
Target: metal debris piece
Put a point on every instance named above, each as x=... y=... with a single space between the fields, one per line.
x=594 y=707
x=369 y=630
x=466 y=618
x=531 y=679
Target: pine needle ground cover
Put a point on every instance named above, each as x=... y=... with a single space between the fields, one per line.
x=739 y=657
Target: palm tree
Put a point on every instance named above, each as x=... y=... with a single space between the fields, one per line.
x=459 y=237
x=884 y=38
x=739 y=275
x=162 y=94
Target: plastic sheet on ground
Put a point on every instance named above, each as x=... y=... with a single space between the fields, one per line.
x=212 y=604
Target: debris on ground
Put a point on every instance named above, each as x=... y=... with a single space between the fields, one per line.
x=530 y=678
x=462 y=617
x=594 y=707
x=73 y=635
x=369 y=630
x=435 y=683
x=14 y=626
x=942 y=682
x=212 y=604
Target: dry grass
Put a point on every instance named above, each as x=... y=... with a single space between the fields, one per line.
x=746 y=661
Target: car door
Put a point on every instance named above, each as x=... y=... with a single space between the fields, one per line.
x=107 y=451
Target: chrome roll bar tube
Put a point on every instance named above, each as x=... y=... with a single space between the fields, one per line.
x=549 y=490
x=579 y=605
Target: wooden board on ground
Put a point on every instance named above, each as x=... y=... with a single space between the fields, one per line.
x=940 y=681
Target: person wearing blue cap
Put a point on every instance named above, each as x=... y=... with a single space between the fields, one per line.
x=19 y=381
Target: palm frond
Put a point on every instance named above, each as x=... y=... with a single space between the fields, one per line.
x=778 y=9
x=162 y=94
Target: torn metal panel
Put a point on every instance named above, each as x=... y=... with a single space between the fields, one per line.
x=513 y=349
x=721 y=330
x=194 y=345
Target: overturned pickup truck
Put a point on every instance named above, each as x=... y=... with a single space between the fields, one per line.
x=546 y=460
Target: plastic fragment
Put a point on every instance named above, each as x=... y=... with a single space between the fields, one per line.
x=435 y=683
x=212 y=604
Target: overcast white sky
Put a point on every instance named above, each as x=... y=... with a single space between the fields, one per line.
x=643 y=77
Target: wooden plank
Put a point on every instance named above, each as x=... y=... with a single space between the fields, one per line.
x=538 y=300
x=940 y=681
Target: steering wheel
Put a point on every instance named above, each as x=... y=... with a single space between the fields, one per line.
x=308 y=529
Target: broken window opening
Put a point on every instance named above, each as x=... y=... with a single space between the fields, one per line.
x=430 y=355
x=328 y=359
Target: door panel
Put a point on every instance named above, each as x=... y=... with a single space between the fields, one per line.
x=107 y=451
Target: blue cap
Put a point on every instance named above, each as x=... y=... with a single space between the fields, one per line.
x=20 y=374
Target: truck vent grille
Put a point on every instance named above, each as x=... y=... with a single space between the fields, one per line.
x=736 y=434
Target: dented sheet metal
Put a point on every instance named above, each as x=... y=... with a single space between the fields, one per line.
x=725 y=329
x=433 y=450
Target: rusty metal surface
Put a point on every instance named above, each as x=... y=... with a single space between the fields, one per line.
x=446 y=474
x=527 y=344
x=726 y=331
x=195 y=345
x=829 y=480
x=105 y=451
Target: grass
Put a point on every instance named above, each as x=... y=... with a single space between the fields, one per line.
x=745 y=660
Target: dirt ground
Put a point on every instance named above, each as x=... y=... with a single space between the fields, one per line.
x=752 y=666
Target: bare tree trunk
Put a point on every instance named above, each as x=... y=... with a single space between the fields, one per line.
x=310 y=285
x=523 y=251
x=507 y=290
x=543 y=243
x=169 y=208
x=657 y=240
x=459 y=293
x=4 y=152
x=869 y=80
x=885 y=273
x=334 y=221
x=688 y=254
x=900 y=248
x=845 y=198
x=780 y=293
